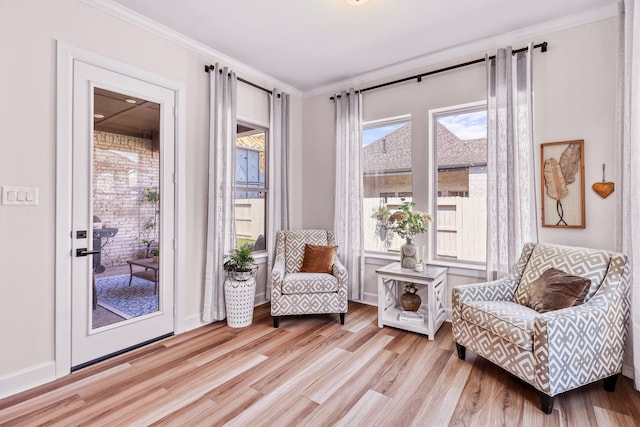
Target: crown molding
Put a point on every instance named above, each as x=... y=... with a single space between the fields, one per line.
x=393 y=70
x=243 y=70
x=455 y=53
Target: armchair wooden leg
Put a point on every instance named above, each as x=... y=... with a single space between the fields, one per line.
x=342 y=318
x=462 y=351
x=276 y=321
x=546 y=403
x=610 y=383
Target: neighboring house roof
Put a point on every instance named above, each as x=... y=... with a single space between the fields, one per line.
x=389 y=153
x=454 y=152
x=392 y=153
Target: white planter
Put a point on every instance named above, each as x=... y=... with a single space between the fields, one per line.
x=239 y=300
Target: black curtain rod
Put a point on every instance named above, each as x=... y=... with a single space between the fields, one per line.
x=208 y=68
x=418 y=77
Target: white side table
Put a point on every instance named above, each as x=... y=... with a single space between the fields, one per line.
x=432 y=283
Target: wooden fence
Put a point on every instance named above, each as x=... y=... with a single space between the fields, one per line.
x=460 y=223
x=250 y=216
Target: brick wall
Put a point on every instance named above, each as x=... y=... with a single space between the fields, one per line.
x=124 y=167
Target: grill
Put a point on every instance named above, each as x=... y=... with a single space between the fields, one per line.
x=100 y=233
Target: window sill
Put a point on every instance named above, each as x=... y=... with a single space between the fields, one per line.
x=379 y=258
x=260 y=257
x=463 y=269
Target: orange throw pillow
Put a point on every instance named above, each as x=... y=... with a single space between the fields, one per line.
x=318 y=259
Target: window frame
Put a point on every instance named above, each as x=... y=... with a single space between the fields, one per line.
x=433 y=115
x=261 y=190
x=401 y=119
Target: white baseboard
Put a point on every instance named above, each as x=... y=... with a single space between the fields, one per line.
x=260 y=299
x=192 y=322
x=24 y=379
x=370 y=299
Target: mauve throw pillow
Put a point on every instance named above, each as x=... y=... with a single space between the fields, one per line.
x=555 y=289
x=318 y=259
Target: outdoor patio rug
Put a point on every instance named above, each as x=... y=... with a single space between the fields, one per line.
x=115 y=294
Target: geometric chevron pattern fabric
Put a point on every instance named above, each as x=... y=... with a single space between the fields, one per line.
x=294 y=242
x=588 y=263
x=570 y=347
x=305 y=293
x=309 y=283
x=509 y=320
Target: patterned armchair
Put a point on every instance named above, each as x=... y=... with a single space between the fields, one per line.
x=293 y=292
x=558 y=350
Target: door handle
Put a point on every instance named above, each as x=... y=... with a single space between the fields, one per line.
x=85 y=252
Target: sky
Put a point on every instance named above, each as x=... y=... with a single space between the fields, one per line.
x=464 y=126
x=370 y=135
x=467 y=126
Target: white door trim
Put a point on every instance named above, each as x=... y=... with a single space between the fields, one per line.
x=64 y=106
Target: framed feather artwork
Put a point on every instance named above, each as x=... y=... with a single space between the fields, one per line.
x=563 y=184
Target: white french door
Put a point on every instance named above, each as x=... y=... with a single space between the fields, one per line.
x=104 y=179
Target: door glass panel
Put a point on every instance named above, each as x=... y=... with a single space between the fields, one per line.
x=126 y=207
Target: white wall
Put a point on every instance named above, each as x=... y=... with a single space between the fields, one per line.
x=574 y=98
x=29 y=30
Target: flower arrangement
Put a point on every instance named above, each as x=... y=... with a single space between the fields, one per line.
x=410 y=288
x=407 y=222
x=381 y=214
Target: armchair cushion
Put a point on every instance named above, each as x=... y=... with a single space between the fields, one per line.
x=309 y=283
x=318 y=259
x=555 y=289
x=589 y=263
x=508 y=320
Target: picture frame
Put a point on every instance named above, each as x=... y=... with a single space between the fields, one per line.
x=562 y=184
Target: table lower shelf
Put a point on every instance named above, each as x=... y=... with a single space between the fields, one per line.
x=391 y=317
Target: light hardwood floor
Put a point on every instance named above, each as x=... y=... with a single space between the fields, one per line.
x=310 y=372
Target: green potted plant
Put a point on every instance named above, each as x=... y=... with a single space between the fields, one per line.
x=239 y=263
x=240 y=286
x=381 y=215
x=155 y=252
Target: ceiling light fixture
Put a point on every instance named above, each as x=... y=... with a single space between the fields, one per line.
x=131 y=101
x=98 y=116
x=356 y=2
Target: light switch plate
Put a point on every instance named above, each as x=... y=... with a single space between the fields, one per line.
x=19 y=196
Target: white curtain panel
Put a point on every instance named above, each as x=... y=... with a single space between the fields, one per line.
x=347 y=218
x=511 y=201
x=628 y=138
x=278 y=194
x=220 y=213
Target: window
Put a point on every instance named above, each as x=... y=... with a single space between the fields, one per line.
x=251 y=187
x=386 y=176
x=459 y=160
